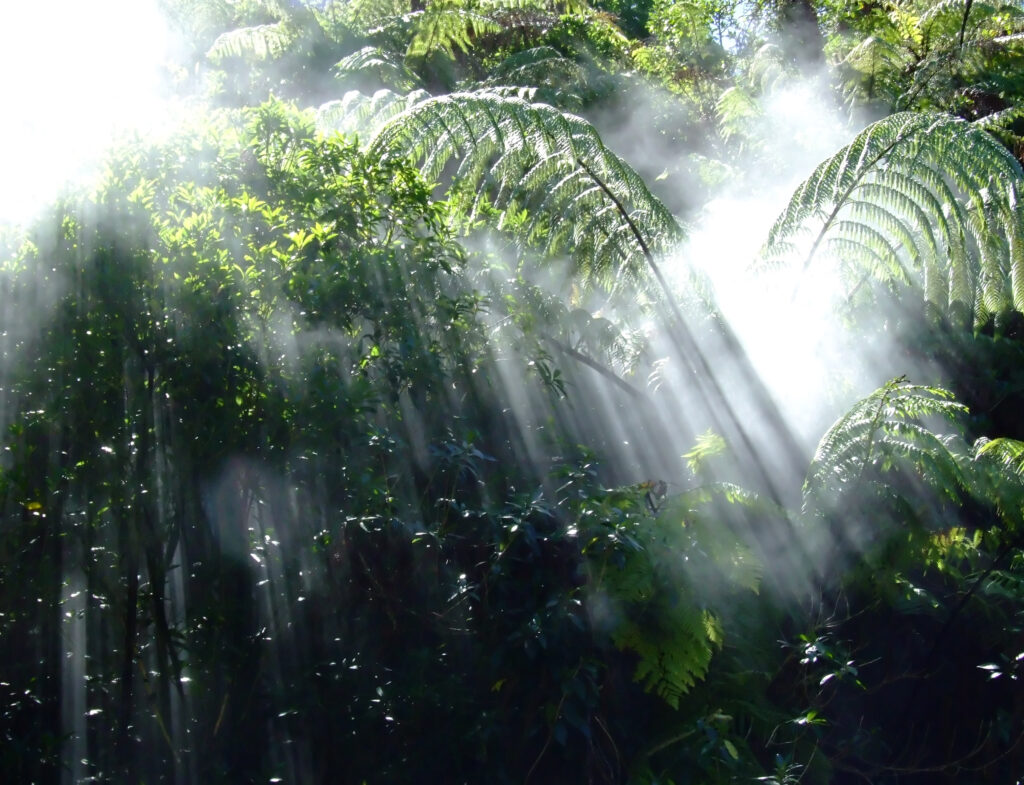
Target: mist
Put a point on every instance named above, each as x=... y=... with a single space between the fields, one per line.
x=77 y=77
x=345 y=487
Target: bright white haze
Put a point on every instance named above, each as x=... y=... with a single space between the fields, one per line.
x=75 y=75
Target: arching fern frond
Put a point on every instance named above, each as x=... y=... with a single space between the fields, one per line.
x=260 y=42
x=546 y=174
x=1001 y=481
x=740 y=109
x=358 y=113
x=671 y=635
x=665 y=576
x=769 y=70
x=883 y=432
x=875 y=68
x=384 y=66
x=928 y=200
x=1007 y=452
x=958 y=55
x=1000 y=124
x=448 y=25
x=558 y=80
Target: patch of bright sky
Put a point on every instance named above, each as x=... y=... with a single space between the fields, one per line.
x=75 y=76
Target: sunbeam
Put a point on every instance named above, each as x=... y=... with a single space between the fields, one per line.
x=77 y=77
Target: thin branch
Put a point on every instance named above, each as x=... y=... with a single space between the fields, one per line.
x=593 y=364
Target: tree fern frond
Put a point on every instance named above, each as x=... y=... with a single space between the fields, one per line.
x=383 y=65
x=526 y=58
x=768 y=69
x=903 y=183
x=667 y=577
x=874 y=68
x=358 y=112
x=260 y=42
x=884 y=431
x=1002 y=478
x=948 y=15
x=735 y=109
x=449 y=25
x=1009 y=453
x=531 y=154
x=874 y=52
x=549 y=75
x=672 y=659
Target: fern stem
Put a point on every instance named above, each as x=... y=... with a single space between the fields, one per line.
x=963 y=24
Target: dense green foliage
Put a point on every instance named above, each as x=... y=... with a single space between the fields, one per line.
x=369 y=429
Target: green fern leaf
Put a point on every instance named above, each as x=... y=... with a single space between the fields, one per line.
x=548 y=76
x=923 y=199
x=383 y=65
x=513 y=154
x=1003 y=484
x=663 y=576
x=359 y=113
x=883 y=432
x=260 y=42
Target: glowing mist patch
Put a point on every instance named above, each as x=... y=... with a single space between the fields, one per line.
x=785 y=319
x=74 y=76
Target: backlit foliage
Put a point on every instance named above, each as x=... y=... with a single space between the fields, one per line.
x=924 y=201
x=546 y=173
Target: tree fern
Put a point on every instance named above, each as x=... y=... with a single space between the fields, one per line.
x=959 y=55
x=259 y=42
x=1001 y=124
x=1008 y=452
x=1002 y=477
x=513 y=155
x=926 y=200
x=451 y=24
x=455 y=25
x=739 y=110
x=383 y=65
x=883 y=432
x=874 y=68
x=291 y=23
x=556 y=79
x=358 y=113
x=670 y=634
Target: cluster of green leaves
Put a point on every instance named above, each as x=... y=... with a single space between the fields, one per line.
x=242 y=314
x=957 y=56
x=289 y=364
